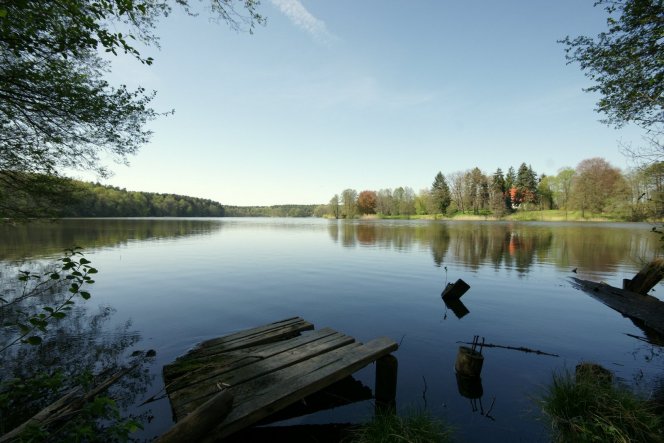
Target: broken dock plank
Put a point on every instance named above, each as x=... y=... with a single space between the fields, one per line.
x=266 y=369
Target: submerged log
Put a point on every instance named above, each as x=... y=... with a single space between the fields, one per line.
x=647 y=278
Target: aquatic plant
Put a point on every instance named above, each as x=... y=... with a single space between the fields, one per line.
x=413 y=427
x=587 y=407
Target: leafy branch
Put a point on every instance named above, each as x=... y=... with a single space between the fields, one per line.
x=74 y=270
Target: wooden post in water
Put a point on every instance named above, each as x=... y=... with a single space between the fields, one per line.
x=386 y=383
x=469 y=362
x=647 y=277
x=454 y=291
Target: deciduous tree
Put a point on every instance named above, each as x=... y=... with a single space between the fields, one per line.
x=349 y=203
x=366 y=202
x=627 y=68
x=595 y=184
x=334 y=206
x=56 y=109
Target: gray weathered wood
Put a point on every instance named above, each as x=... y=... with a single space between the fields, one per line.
x=187 y=371
x=196 y=425
x=265 y=334
x=266 y=369
x=297 y=382
x=185 y=400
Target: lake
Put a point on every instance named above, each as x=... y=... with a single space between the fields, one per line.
x=181 y=281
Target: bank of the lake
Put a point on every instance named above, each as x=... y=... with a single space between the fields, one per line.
x=549 y=215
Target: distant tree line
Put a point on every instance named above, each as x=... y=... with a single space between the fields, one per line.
x=96 y=200
x=83 y=199
x=594 y=187
x=270 y=211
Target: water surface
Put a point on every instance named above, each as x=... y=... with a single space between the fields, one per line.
x=181 y=281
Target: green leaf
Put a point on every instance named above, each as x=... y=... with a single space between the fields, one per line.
x=92 y=271
x=34 y=340
x=59 y=315
x=84 y=261
x=3 y=12
x=48 y=309
x=85 y=295
x=55 y=276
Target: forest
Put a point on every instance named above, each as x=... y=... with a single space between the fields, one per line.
x=270 y=211
x=593 y=188
x=95 y=200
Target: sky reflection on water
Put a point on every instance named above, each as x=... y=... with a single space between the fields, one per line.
x=182 y=281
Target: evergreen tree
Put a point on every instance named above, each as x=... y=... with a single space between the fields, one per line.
x=526 y=184
x=440 y=193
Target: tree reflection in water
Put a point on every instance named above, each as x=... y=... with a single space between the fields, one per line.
x=506 y=245
x=80 y=349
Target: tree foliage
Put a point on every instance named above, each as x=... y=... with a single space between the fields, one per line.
x=440 y=193
x=349 y=203
x=71 y=198
x=366 y=202
x=626 y=62
x=595 y=184
x=56 y=109
x=270 y=211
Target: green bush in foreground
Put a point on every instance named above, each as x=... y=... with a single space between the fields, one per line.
x=587 y=408
x=416 y=427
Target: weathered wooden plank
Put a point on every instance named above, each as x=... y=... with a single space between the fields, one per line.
x=264 y=334
x=277 y=390
x=185 y=400
x=251 y=337
x=343 y=392
x=646 y=310
x=198 y=423
x=186 y=372
x=251 y=331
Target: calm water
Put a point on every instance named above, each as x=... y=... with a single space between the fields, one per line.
x=182 y=281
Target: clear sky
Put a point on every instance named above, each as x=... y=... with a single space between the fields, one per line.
x=370 y=94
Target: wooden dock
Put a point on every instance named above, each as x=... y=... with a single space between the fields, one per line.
x=269 y=368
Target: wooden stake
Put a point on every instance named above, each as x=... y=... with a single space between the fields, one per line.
x=386 y=382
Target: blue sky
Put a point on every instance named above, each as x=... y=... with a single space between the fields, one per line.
x=335 y=94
